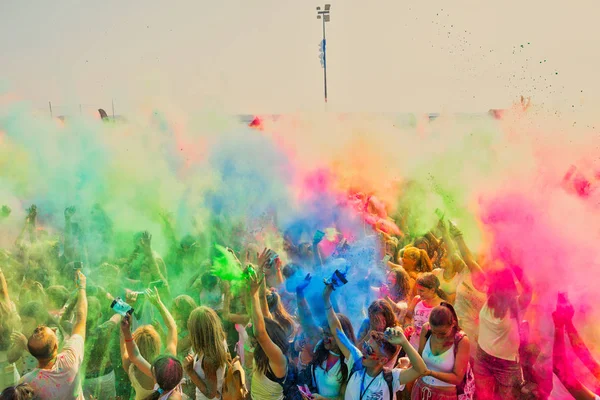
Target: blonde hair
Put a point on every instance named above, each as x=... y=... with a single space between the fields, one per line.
x=207 y=337
x=423 y=262
x=148 y=342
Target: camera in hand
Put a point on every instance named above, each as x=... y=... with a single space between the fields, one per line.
x=120 y=307
x=338 y=279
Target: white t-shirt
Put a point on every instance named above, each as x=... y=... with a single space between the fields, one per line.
x=499 y=337
x=467 y=305
x=63 y=380
x=374 y=388
x=448 y=287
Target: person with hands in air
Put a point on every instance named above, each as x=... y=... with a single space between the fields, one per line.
x=145 y=264
x=562 y=364
x=270 y=355
x=497 y=368
x=144 y=345
x=368 y=380
x=165 y=374
x=57 y=374
x=327 y=372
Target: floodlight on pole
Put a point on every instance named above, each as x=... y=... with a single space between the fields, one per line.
x=325 y=17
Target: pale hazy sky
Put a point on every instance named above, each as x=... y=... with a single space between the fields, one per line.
x=262 y=55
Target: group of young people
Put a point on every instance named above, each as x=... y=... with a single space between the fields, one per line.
x=419 y=317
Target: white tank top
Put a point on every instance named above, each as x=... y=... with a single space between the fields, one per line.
x=263 y=388
x=220 y=377
x=140 y=391
x=441 y=363
x=448 y=287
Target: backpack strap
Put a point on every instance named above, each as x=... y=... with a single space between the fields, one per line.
x=355 y=367
x=457 y=338
x=427 y=334
x=389 y=379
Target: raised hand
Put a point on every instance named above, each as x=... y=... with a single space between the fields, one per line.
x=19 y=340
x=146 y=240
x=327 y=291
x=126 y=325
x=131 y=297
x=80 y=280
x=395 y=336
x=318 y=237
x=266 y=259
x=5 y=211
x=188 y=363
x=31 y=214
x=564 y=311
x=454 y=231
x=254 y=282
x=69 y=212
x=153 y=296
x=232 y=252
x=304 y=284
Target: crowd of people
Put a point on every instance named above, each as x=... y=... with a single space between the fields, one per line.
x=418 y=317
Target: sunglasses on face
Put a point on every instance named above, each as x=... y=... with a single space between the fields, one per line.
x=369 y=351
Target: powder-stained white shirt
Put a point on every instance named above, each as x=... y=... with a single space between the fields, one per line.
x=63 y=380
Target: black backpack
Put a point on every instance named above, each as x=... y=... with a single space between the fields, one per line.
x=289 y=383
x=460 y=389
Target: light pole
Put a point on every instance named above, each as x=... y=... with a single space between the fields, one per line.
x=324 y=16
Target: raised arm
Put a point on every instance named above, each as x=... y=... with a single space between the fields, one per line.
x=167 y=227
x=346 y=347
x=28 y=227
x=146 y=245
x=4 y=295
x=418 y=367
x=317 y=256
x=69 y=243
x=124 y=355
x=562 y=365
x=277 y=360
x=81 y=307
x=450 y=245
x=241 y=319
x=132 y=353
x=477 y=273
x=305 y=315
x=154 y=299
x=263 y=262
x=526 y=292
x=566 y=312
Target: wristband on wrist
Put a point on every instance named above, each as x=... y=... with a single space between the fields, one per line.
x=129 y=340
x=330 y=307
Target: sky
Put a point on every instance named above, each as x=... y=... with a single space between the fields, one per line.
x=261 y=56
